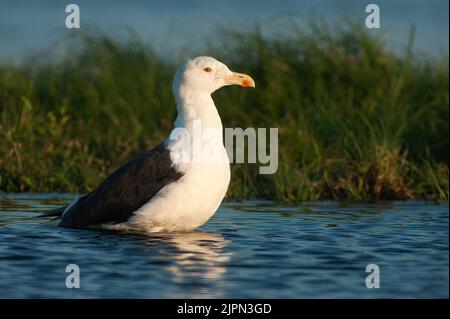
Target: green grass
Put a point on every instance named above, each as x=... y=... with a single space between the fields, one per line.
x=356 y=121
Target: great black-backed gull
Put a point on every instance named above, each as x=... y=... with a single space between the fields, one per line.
x=156 y=191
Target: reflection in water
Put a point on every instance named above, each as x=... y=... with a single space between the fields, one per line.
x=198 y=257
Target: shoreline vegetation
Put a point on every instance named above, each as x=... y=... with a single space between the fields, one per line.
x=356 y=120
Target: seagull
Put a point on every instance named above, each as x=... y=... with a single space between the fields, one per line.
x=164 y=189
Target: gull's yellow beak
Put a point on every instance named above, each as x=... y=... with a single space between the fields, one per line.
x=241 y=79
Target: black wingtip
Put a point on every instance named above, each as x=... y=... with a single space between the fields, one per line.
x=52 y=213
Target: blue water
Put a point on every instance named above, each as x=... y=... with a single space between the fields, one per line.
x=255 y=249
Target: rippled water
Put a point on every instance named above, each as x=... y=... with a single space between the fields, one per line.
x=247 y=250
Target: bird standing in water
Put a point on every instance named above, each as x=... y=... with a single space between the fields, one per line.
x=156 y=191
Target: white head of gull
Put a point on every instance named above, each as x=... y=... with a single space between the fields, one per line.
x=172 y=187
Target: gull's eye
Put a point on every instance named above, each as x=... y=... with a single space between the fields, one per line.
x=207 y=69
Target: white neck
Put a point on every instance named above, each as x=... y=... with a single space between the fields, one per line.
x=194 y=105
x=198 y=115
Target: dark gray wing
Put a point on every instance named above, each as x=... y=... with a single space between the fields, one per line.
x=123 y=192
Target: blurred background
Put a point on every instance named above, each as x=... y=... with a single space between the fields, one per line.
x=29 y=26
x=362 y=113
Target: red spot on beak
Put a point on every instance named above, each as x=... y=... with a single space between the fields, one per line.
x=245 y=83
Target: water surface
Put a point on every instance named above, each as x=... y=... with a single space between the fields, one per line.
x=256 y=249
